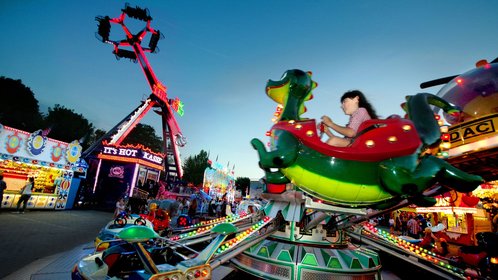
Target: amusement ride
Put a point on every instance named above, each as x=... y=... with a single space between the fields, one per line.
x=164 y=106
x=320 y=197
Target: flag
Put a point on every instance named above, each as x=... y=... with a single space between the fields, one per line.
x=46 y=131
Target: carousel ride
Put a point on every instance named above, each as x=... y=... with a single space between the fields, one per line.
x=470 y=144
x=319 y=195
x=324 y=192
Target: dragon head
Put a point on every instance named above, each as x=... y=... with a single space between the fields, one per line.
x=291 y=91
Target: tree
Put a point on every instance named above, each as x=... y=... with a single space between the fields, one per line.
x=19 y=106
x=194 y=167
x=145 y=135
x=243 y=184
x=66 y=125
x=97 y=134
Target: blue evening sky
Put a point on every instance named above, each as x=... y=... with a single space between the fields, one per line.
x=217 y=56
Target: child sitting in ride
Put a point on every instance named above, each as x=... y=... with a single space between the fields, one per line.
x=159 y=217
x=428 y=239
x=354 y=104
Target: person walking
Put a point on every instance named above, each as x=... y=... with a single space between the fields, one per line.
x=3 y=186
x=25 y=195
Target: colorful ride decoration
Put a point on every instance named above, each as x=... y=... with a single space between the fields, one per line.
x=412 y=249
x=73 y=151
x=473 y=136
x=383 y=166
x=56 y=153
x=36 y=143
x=277 y=259
x=193 y=231
x=240 y=237
x=13 y=143
x=475 y=92
x=158 y=217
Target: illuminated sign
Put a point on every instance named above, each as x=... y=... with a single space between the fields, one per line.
x=117 y=172
x=153 y=158
x=473 y=131
x=177 y=105
x=446 y=210
x=132 y=153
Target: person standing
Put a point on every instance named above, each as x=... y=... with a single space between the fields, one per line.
x=192 y=211
x=404 y=224
x=186 y=205
x=391 y=224
x=3 y=186
x=180 y=206
x=413 y=227
x=25 y=194
x=120 y=207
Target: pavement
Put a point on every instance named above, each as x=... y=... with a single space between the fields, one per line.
x=45 y=245
x=55 y=267
x=59 y=266
x=46 y=242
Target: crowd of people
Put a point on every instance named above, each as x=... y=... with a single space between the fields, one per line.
x=194 y=206
x=414 y=226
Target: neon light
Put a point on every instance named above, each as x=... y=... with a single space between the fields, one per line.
x=446 y=210
x=177 y=105
x=97 y=176
x=134 y=146
x=131 y=160
x=134 y=180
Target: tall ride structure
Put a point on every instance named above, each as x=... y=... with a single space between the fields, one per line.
x=158 y=99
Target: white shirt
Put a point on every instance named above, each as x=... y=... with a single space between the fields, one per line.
x=27 y=188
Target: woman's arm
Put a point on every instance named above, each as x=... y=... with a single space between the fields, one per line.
x=346 y=131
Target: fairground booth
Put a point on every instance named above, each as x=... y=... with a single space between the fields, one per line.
x=219 y=181
x=56 y=167
x=124 y=171
x=470 y=143
x=462 y=216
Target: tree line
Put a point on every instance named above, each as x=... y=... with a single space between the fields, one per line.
x=20 y=109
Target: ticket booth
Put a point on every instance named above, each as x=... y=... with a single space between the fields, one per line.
x=124 y=171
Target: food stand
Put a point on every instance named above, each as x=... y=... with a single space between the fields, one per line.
x=55 y=165
x=461 y=216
